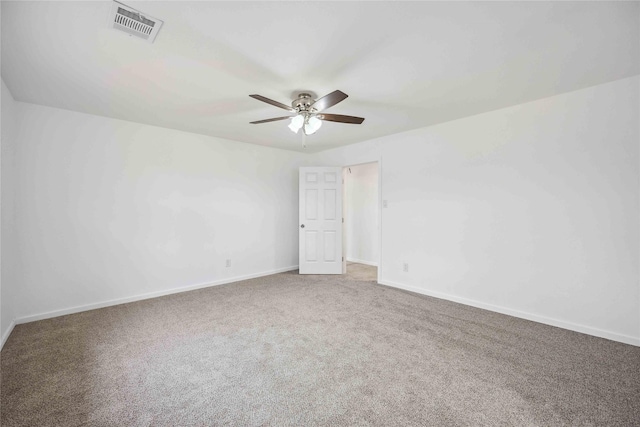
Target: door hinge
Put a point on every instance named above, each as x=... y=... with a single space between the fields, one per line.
x=343 y=220
x=342 y=259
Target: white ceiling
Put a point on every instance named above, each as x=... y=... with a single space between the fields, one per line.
x=404 y=65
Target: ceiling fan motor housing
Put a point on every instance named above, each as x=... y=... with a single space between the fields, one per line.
x=303 y=102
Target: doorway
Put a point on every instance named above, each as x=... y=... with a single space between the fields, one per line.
x=361 y=229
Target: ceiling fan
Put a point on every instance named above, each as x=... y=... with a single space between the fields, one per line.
x=307 y=111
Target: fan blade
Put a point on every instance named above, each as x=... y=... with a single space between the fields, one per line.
x=270 y=120
x=340 y=118
x=329 y=100
x=272 y=102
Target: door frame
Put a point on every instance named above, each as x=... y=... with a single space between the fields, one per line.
x=378 y=162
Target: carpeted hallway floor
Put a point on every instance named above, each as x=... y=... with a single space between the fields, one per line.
x=291 y=350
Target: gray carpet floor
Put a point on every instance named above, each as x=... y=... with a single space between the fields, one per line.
x=291 y=350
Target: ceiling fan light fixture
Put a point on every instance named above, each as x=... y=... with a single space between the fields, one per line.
x=296 y=123
x=307 y=109
x=312 y=125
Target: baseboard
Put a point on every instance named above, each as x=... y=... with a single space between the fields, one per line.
x=626 y=339
x=5 y=336
x=109 y=303
x=359 y=261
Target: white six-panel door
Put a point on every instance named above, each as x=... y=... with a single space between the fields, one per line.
x=320 y=220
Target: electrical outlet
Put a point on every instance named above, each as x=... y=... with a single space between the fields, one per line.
x=228 y=263
x=405 y=267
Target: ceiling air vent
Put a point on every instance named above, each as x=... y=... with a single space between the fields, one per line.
x=133 y=22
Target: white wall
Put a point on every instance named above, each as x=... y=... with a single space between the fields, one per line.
x=530 y=210
x=361 y=216
x=109 y=210
x=7 y=229
x=354 y=154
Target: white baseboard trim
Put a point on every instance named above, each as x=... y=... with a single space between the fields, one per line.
x=5 y=336
x=521 y=314
x=109 y=303
x=360 y=261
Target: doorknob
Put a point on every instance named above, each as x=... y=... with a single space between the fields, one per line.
x=302 y=226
